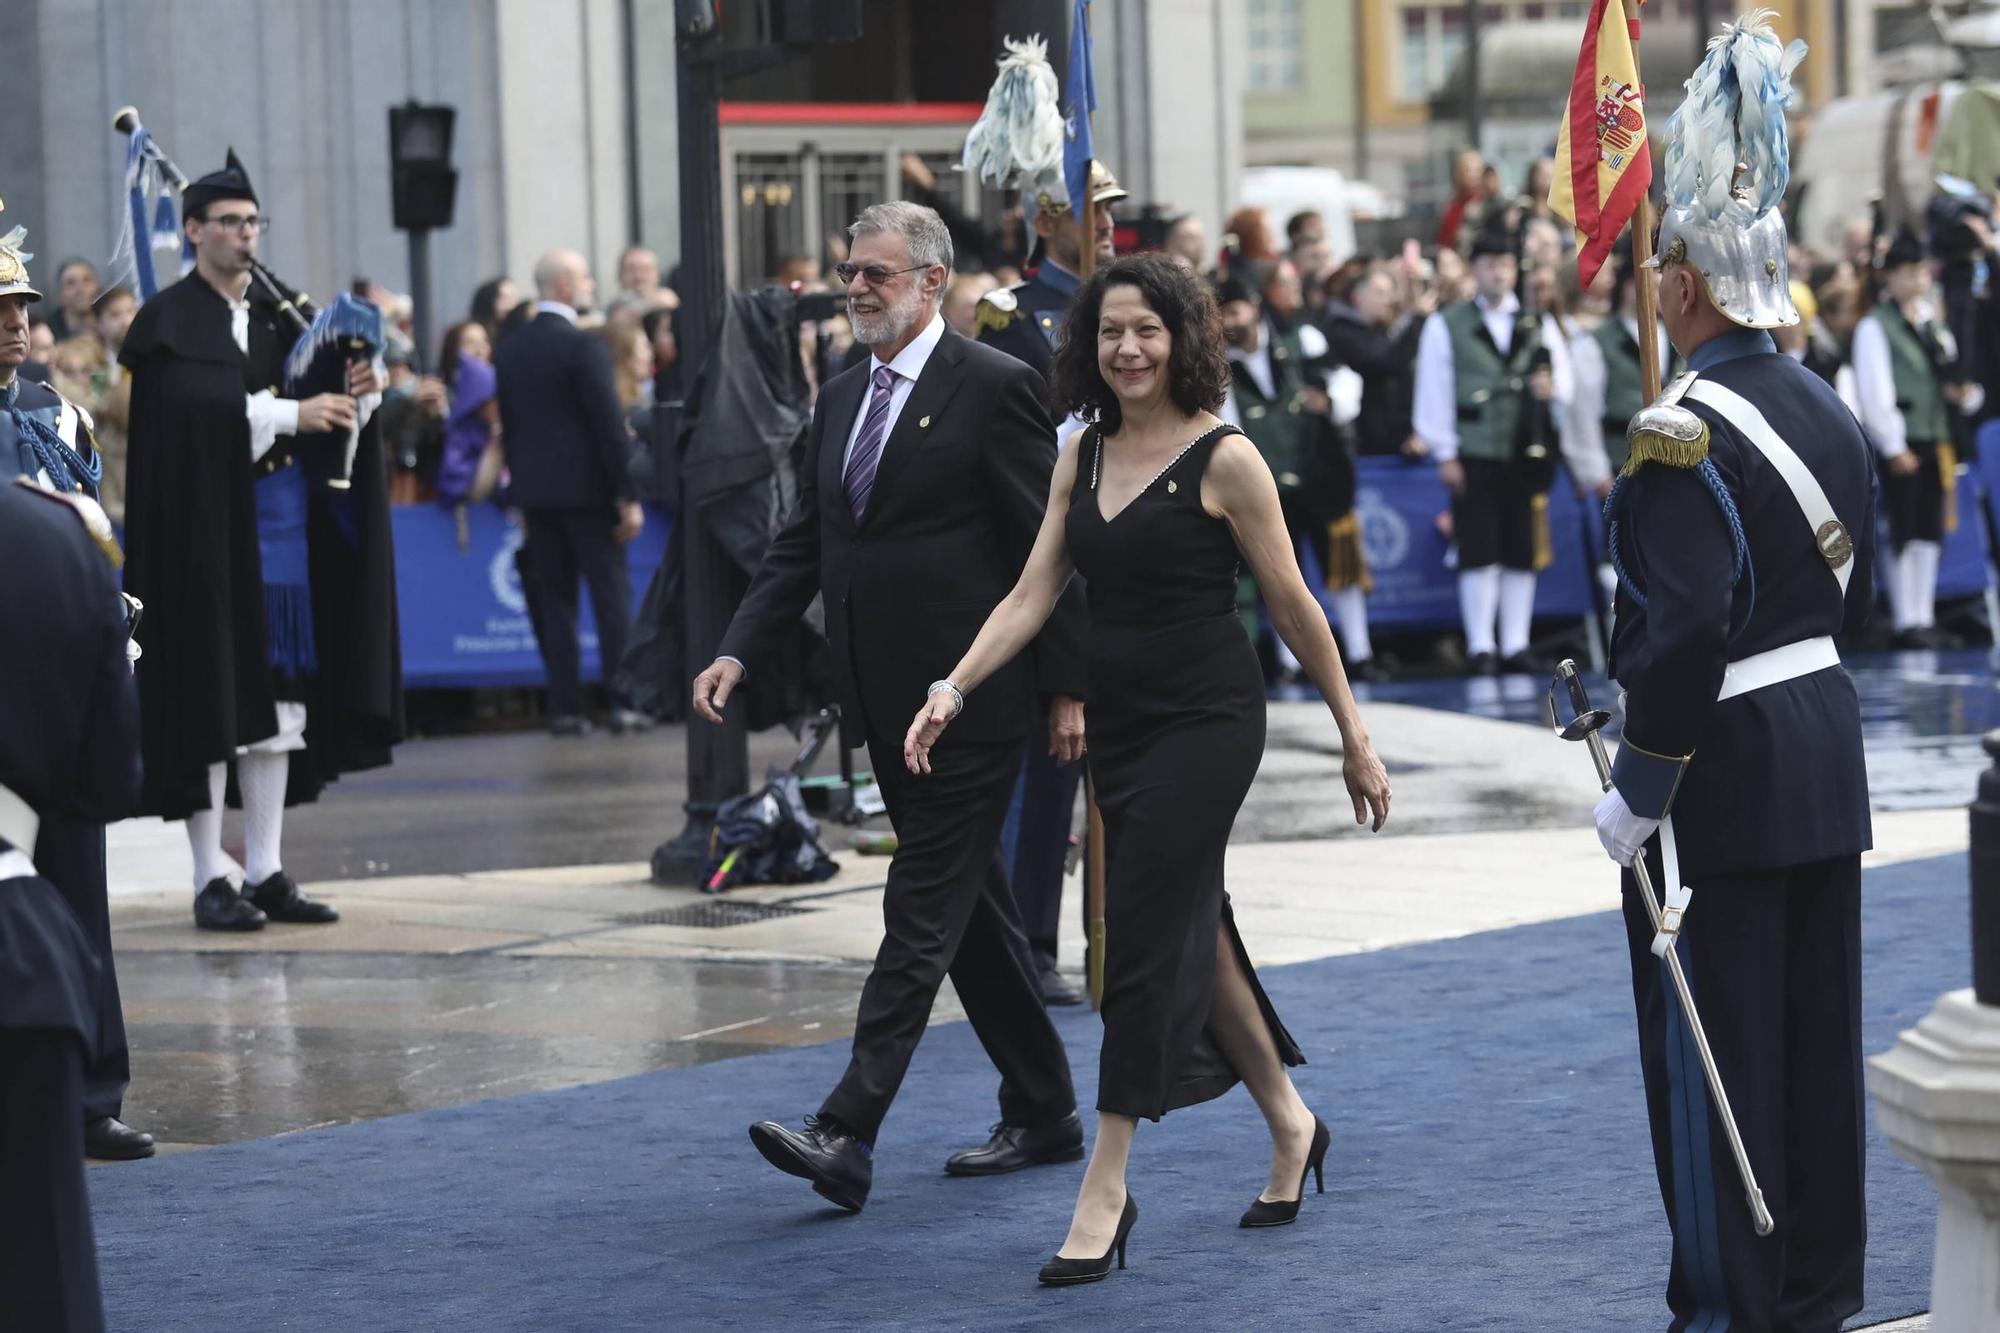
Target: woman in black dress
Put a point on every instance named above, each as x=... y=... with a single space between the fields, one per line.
x=1157 y=503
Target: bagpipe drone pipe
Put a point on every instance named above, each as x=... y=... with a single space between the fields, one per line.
x=346 y=331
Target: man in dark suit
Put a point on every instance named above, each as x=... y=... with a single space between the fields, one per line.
x=565 y=441
x=926 y=480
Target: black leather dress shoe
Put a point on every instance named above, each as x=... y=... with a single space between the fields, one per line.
x=1013 y=1147
x=1055 y=987
x=220 y=907
x=281 y=900
x=110 y=1139
x=1484 y=664
x=1520 y=664
x=1368 y=670
x=840 y=1166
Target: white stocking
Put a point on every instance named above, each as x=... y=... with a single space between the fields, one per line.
x=1517 y=610
x=1478 y=603
x=204 y=832
x=1350 y=607
x=261 y=776
x=1923 y=590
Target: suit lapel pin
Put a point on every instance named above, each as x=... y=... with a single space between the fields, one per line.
x=924 y=424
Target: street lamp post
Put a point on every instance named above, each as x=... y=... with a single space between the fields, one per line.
x=423 y=188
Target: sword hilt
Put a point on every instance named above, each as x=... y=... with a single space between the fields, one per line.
x=1586 y=723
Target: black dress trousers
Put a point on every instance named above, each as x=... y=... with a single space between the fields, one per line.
x=1773 y=958
x=71 y=857
x=948 y=910
x=564 y=544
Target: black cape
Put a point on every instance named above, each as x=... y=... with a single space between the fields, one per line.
x=205 y=683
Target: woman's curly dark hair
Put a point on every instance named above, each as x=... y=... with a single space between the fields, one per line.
x=1197 y=371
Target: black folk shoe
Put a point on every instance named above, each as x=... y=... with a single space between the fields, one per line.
x=220 y=907
x=1264 y=1213
x=1061 y=1272
x=281 y=900
x=840 y=1166
x=1015 y=1147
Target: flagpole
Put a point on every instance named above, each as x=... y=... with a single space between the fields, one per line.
x=1645 y=280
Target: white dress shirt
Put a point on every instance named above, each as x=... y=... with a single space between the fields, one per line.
x=907 y=364
x=271 y=416
x=1584 y=440
x=1434 y=414
x=568 y=312
x=1875 y=388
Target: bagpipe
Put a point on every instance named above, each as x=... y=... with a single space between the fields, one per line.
x=327 y=339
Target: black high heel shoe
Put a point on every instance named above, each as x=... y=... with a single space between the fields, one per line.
x=1061 y=1272
x=1264 y=1213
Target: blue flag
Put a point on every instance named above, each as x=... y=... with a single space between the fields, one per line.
x=1080 y=99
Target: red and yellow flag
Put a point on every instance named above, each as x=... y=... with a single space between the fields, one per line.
x=1603 y=163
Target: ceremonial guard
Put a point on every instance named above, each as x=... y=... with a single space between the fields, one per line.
x=1609 y=388
x=69 y=757
x=270 y=635
x=1281 y=395
x=1912 y=390
x=46 y=439
x=1025 y=321
x=1742 y=530
x=1488 y=381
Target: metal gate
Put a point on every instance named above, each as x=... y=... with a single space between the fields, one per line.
x=795 y=174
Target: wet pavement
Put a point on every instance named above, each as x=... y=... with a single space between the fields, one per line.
x=462 y=972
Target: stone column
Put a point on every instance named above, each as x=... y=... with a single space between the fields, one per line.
x=1937 y=1092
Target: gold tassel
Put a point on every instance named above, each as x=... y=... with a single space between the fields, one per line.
x=1545 y=554
x=1346 y=558
x=1649 y=446
x=1947 y=463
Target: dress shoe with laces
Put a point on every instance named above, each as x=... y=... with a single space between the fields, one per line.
x=220 y=907
x=1014 y=1147
x=280 y=899
x=109 y=1139
x=840 y=1166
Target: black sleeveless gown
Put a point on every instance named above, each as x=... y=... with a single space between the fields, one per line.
x=1176 y=731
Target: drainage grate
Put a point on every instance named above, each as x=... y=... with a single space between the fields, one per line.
x=712 y=914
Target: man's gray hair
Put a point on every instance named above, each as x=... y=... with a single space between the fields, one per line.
x=930 y=240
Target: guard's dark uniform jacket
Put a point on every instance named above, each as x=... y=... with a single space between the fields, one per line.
x=69 y=732
x=1026 y=319
x=1727 y=588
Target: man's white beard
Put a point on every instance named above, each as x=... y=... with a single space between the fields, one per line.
x=894 y=321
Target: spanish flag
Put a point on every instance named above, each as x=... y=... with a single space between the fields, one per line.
x=1603 y=164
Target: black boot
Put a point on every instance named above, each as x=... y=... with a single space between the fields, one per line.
x=220 y=907
x=281 y=900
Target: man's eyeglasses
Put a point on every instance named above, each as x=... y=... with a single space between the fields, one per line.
x=243 y=225
x=873 y=274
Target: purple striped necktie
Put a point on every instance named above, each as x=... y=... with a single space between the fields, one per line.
x=867 y=455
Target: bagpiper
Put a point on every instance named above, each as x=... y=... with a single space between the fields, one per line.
x=1742 y=531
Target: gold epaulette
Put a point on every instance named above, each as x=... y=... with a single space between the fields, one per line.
x=96 y=523
x=997 y=309
x=1665 y=432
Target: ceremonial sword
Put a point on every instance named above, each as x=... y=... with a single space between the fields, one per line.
x=1585 y=727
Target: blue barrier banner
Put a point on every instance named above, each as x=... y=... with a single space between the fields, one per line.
x=1399 y=505
x=463 y=617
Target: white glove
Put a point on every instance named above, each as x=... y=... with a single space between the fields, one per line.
x=1623 y=833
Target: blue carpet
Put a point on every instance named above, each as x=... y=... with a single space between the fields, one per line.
x=1490 y=1170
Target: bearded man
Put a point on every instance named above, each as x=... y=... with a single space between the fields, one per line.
x=926 y=477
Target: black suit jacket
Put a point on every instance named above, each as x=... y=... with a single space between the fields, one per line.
x=958 y=498
x=1777 y=777
x=561 y=427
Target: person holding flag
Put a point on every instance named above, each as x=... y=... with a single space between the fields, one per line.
x=1742 y=531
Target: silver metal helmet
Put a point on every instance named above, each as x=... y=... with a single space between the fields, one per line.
x=1741 y=261
x=1728 y=162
